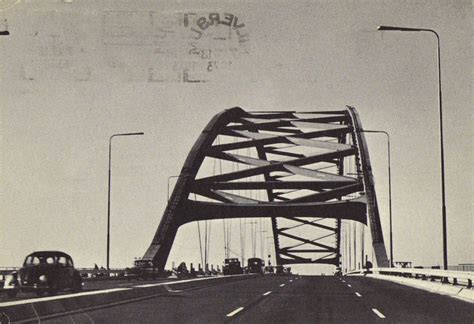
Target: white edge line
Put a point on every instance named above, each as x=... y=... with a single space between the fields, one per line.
x=97 y=292
x=37 y=300
x=379 y=314
x=267 y=293
x=234 y=312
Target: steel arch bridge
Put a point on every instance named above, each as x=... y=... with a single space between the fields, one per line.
x=307 y=171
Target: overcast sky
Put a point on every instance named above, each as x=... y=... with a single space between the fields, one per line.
x=74 y=72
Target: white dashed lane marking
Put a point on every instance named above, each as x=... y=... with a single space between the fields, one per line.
x=282 y=285
x=358 y=295
x=378 y=313
x=267 y=293
x=348 y=285
x=234 y=312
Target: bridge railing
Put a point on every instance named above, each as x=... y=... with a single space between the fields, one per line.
x=114 y=273
x=84 y=272
x=98 y=273
x=454 y=277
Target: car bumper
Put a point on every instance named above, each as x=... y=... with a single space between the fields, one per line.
x=33 y=288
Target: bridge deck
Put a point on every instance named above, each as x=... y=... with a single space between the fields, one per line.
x=288 y=299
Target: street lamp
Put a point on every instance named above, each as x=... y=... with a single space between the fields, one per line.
x=443 y=193
x=108 y=200
x=268 y=247
x=262 y=244
x=389 y=188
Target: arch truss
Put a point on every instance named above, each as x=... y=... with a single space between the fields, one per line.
x=306 y=171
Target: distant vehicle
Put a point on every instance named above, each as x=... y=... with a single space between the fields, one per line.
x=255 y=265
x=182 y=271
x=231 y=267
x=45 y=271
x=142 y=269
x=283 y=270
x=269 y=269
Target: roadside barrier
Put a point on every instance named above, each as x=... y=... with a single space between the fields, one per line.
x=464 y=278
x=448 y=282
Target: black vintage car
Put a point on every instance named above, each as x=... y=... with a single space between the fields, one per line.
x=142 y=269
x=255 y=265
x=232 y=267
x=46 y=272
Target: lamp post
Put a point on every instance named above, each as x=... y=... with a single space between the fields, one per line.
x=389 y=188
x=443 y=193
x=108 y=197
x=268 y=248
x=262 y=243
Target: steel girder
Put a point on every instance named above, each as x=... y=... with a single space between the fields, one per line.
x=296 y=160
x=378 y=244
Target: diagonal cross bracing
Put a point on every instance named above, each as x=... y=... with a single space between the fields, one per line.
x=313 y=223
x=272 y=165
x=272 y=139
x=300 y=145
x=306 y=241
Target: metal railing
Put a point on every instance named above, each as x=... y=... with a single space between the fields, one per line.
x=444 y=276
x=462 y=267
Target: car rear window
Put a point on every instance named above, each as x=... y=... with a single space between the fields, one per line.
x=40 y=259
x=62 y=261
x=32 y=260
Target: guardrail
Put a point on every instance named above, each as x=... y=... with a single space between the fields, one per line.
x=444 y=276
x=6 y=270
x=462 y=267
x=104 y=274
x=100 y=273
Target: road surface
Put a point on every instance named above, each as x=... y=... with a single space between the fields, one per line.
x=288 y=299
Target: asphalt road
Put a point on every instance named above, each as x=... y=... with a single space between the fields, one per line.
x=283 y=299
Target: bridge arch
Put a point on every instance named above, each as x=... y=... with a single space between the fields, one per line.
x=299 y=161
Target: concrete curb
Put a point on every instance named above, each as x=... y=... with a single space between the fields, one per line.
x=463 y=293
x=49 y=307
